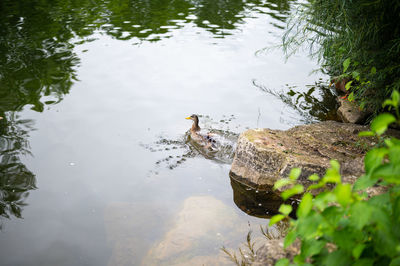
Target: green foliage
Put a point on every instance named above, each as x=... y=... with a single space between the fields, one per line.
x=352 y=39
x=343 y=226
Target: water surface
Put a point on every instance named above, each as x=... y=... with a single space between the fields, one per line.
x=95 y=167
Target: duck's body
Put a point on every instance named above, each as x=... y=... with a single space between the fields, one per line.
x=203 y=139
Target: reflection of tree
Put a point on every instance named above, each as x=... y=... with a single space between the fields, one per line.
x=15 y=179
x=38 y=64
x=151 y=19
x=311 y=107
x=36 y=57
x=221 y=13
x=228 y=14
x=144 y=19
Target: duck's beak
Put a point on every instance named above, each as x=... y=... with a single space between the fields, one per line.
x=188 y=117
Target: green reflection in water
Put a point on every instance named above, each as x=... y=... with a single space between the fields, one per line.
x=37 y=38
x=317 y=102
x=15 y=179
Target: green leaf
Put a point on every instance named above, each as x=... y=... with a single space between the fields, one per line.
x=382 y=217
x=333 y=215
x=389 y=172
x=305 y=205
x=364 y=182
x=381 y=123
x=350 y=97
x=389 y=143
x=395 y=141
x=323 y=199
x=294 y=173
x=285 y=209
x=357 y=250
x=296 y=189
x=276 y=218
x=290 y=238
x=282 y=262
x=308 y=227
x=366 y=134
x=394 y=155
x=298 y=260
x=389 y=102
x=332 y=174
x=396 y=97
x=380 y=201
x=343 y=194
x=348 y=85
x=337 y=257
x=345 y=238
x=374 y=158
x=395 y=262
x=385 y=241
x=335 y=165
x=360 y=214
x=316 y=186
x=356 y=75
x=373 y=70
x=311 y=247
x=346 y=64
x=281 y=183
x=313 y=177
x=364 y=262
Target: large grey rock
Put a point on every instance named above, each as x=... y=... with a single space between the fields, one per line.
x=263 y=155
x=350 y=112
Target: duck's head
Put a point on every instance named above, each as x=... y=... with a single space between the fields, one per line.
x=193 y=117
x=195 y=120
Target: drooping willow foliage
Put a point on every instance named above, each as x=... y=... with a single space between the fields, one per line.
x=365 y=31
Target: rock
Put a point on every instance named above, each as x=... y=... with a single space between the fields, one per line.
x=272 y=250
x=263 y=155
x=202 y=227
x=340 y=84
x=131 y=228
x=350 y=112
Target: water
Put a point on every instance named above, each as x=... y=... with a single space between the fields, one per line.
x=95 y=164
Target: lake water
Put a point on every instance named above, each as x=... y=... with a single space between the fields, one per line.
x=95 y=167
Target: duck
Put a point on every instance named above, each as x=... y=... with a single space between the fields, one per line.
x=204 y=140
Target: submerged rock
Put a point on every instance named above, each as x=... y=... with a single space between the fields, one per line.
x=131 y=228
x=200 y=229
x=263 y=155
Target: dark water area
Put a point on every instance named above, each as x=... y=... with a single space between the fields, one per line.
x=95 y=163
